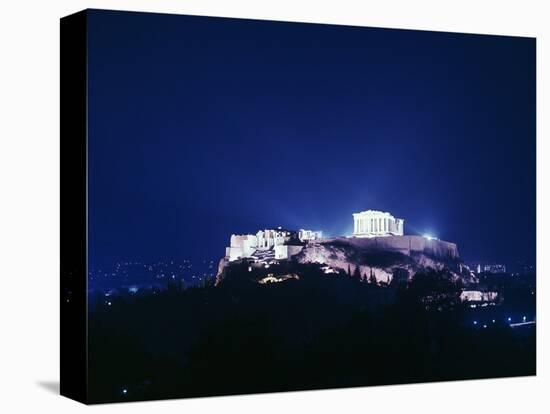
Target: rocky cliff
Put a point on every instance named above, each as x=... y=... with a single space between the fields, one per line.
x=385 y=257
x=380 y=258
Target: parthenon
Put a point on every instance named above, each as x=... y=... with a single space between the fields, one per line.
x=372 y=223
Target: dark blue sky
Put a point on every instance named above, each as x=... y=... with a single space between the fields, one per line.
x=203 y=127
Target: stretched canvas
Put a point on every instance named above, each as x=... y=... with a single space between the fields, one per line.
x=257 y=206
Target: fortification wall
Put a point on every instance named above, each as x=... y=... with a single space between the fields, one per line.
x=286 y=251
x=403 y=244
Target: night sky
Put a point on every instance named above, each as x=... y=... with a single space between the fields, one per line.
x=204 y=127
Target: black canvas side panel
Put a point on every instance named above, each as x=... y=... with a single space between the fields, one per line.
x=73 y=383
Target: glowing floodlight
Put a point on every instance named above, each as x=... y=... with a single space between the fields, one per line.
x=429 y=236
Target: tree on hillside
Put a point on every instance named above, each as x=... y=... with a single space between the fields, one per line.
x=434 y=290
x=372 y=278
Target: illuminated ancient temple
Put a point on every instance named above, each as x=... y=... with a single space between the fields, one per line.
x=372 y=223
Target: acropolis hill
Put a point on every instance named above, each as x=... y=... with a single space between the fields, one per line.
x=376 y=249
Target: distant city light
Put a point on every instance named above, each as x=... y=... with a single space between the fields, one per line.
x=475 y=322
x=509 y=319
x=524 y=318
x=124 y=391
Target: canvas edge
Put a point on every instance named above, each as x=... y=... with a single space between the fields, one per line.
x=73 y=207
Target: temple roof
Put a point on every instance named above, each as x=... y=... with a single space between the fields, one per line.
x=377 y=212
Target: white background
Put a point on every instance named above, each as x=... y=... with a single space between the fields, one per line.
x=29 y=204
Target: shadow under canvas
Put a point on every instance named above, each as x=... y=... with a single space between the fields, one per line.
x=51 y=386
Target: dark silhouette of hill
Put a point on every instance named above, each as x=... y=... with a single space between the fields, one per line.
x=307 y=333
